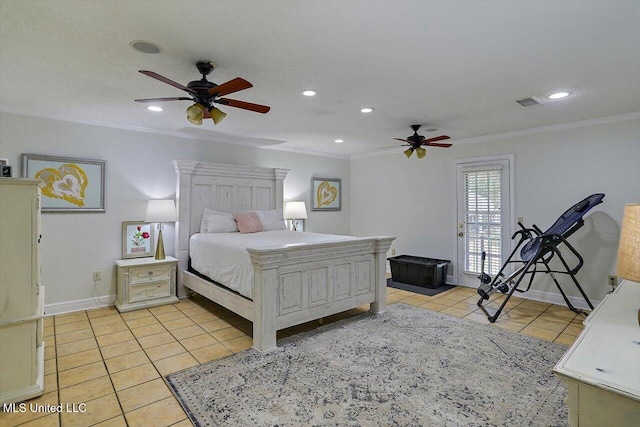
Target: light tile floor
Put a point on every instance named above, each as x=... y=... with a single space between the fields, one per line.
x=114 y=363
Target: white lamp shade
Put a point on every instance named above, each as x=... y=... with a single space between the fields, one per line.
x=295 y=210
x=629 y=249
x=161 y=211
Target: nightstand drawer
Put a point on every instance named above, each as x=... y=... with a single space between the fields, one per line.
x=149 y=273
x=151 y=290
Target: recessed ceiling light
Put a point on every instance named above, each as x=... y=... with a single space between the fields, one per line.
x=154 y=108
x=145 y=47
x=339 y=141
x=367 y=110
x=558 y=95
x=309 y=92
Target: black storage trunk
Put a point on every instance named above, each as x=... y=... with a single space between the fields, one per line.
x=418 y=271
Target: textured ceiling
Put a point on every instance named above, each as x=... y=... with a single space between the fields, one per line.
x=457 y=66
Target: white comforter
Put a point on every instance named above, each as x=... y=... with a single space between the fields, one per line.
x=223 y=257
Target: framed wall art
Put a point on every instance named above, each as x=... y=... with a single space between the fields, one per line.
x=68 y=184
x=295 y=224
x=5 y=169
x=137 y=239
x=326 y=194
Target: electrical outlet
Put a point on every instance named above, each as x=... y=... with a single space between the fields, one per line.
x=613 y=281
x=97 y=275
x=521 y=220
x=393 y=252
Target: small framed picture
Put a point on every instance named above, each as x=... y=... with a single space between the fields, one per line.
x=326 y=194
x=295 y=224
x=137 y=239
x=5 y=169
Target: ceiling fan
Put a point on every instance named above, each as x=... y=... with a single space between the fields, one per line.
x=416 y=142
x=205 y=94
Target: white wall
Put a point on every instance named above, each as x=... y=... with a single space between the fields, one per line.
x=138 y=168
x=383 y=195
x=414 y=199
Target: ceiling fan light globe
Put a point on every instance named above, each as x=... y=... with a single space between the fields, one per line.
x=408 y=152
x=421 y=152
x=196 y=112
x=216 y=115
x=195 y=121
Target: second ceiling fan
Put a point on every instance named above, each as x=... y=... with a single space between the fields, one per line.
x=205 y=94
x=416 y=142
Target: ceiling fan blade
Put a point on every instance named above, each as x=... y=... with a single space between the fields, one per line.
x=437 y=144
x=403 y=140
x=437 y=138
x=391 y=146
x=231 y=86
x=166 y=80
x=244 y=105
x=178 y=98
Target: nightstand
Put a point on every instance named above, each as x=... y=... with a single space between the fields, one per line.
x=145 y=282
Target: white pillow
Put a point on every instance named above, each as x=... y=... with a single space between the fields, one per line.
x=217 y=222
x=272 y=220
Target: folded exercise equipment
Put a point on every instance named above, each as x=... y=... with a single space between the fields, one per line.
x=536 y=249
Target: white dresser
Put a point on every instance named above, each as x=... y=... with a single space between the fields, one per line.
x=146 y=282
x=602 y=367
x=21 y=296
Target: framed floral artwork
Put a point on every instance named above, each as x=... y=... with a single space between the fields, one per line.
x=67 y=184
x=326 y=194
x=137 y=239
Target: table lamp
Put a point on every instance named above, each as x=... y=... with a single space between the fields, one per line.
x=629 y=249
x=160 y=211
x=295 y=211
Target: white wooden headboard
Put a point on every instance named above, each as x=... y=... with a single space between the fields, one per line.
x=225 y=188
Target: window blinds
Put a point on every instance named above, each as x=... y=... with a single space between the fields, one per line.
x=483 y=219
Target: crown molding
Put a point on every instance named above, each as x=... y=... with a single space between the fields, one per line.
x=238 y=140
x=516 y=133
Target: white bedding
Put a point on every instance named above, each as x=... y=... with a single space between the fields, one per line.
x=223 y=257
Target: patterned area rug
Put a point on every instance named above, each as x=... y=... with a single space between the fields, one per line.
x=406 y=367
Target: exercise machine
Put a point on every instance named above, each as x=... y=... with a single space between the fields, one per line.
x=536 y=249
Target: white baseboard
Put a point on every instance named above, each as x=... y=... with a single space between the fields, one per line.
x=78 y=305
x=83 y=304
x=552 y=298
x=108 y=300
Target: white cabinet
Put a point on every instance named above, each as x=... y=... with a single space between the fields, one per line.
x=146 y=282
x=602 y=367
x=21 y=295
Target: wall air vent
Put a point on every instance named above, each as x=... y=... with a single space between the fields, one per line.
x=528 y=102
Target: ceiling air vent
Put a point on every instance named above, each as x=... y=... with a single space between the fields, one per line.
x=528 y=102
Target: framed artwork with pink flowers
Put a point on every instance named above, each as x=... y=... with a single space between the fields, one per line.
x=137 y=239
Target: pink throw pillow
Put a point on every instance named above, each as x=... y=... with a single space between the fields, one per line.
x=248 y=222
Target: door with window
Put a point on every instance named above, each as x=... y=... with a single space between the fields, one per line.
x=483 y=214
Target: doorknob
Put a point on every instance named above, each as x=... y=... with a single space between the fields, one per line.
x=460 y=234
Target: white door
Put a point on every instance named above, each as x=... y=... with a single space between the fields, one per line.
x=483 y=214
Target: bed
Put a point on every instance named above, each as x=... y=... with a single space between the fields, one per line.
x=291 y=283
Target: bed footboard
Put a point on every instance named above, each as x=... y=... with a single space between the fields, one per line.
x=297 y=284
